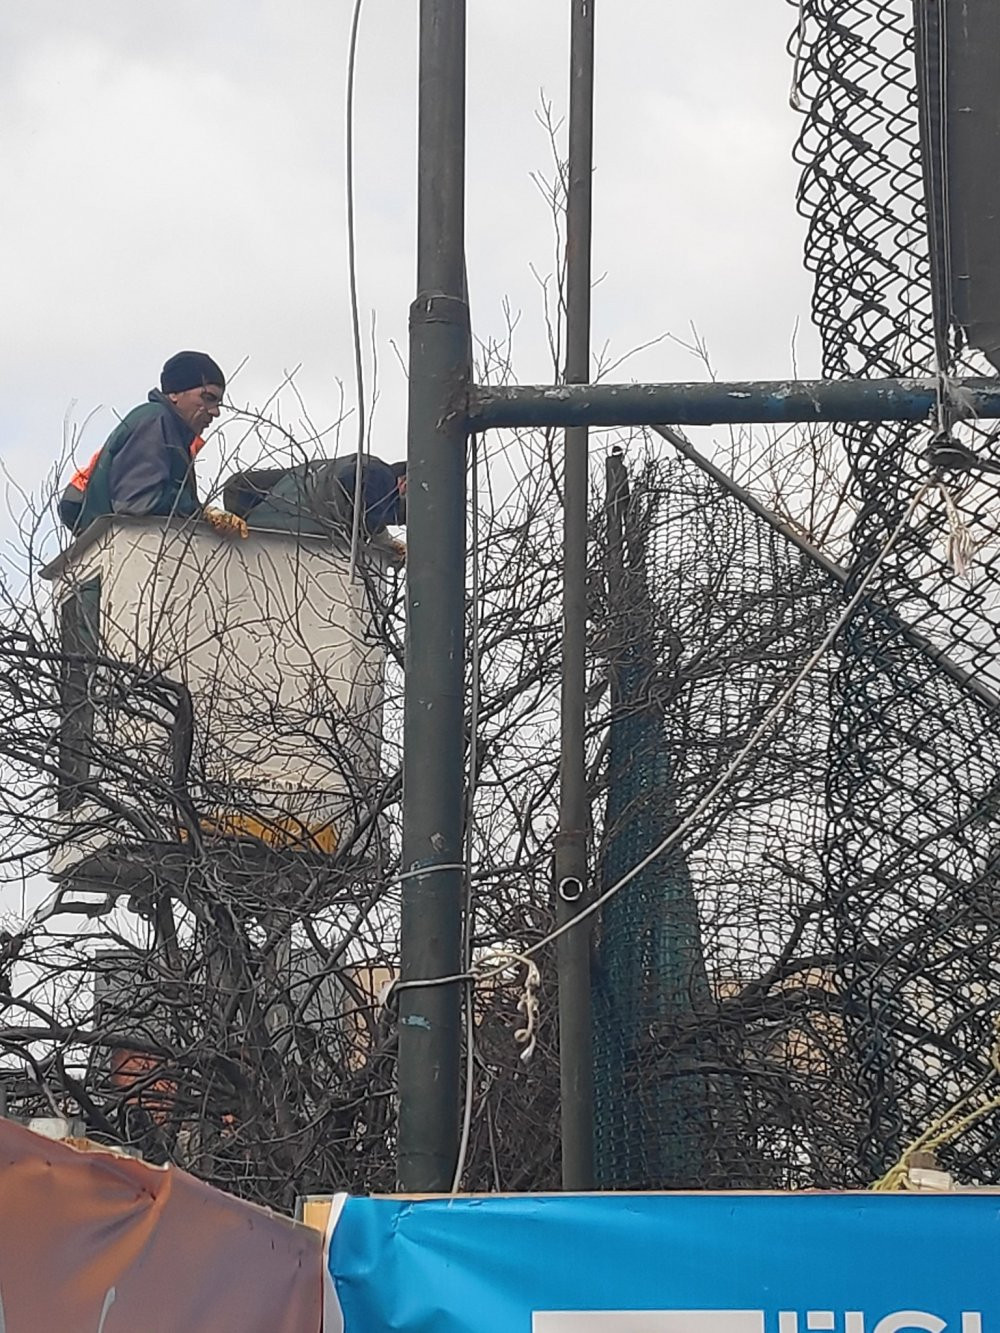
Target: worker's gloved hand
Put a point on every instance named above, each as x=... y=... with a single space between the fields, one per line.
x=396 y=551
x=229 y=524
x=392 y=550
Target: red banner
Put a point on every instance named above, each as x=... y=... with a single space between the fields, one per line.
x=101 y=1243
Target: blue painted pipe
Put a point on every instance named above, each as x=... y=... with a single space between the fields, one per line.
x=713 y=404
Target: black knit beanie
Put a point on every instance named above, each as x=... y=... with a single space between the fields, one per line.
x=190 y=370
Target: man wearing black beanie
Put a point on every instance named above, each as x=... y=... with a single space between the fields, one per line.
x=145 y=467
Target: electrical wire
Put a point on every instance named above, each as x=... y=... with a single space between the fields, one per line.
x=798 y=44
x=761 y=731
x=469 y=919
x=359 y=370
x=933 y=91
x=772 y=715
x=946 y=317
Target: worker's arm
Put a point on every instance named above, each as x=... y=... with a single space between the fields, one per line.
x=146 y=478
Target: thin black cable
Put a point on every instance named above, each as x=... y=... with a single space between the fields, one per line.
x=359 y=372
x=469 y=921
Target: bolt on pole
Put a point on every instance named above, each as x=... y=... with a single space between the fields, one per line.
x=433 y=717
x=576 y=1060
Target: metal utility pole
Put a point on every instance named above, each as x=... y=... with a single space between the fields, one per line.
x=576 y=1068
x=433 y=725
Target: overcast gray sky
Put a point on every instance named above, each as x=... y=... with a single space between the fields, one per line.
x=175 y=178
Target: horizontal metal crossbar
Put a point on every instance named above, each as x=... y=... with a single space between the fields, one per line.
x=713 y=404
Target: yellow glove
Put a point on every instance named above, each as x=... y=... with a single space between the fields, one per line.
x=228 y=524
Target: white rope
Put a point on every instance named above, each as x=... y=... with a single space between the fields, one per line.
x=501 y=960
x=960 y=545
x=961 y=403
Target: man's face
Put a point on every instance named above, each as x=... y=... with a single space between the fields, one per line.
x=197 y=407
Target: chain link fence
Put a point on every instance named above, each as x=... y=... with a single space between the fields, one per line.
x=814 y=981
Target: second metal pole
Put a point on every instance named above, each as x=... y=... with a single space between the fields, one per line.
x=433 y=718
x=575 y=1040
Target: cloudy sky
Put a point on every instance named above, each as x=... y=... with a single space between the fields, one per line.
x=174 y=177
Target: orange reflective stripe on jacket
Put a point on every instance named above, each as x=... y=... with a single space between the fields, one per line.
x=82 y=475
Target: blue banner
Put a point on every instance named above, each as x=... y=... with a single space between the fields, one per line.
x=674 y=1263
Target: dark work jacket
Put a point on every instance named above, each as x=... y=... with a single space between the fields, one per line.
x=144 y=467
x=380 y=498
